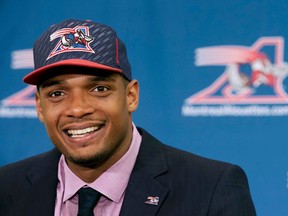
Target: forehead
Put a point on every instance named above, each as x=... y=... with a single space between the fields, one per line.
x=65 y=73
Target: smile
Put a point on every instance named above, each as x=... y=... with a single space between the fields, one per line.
x=81 y=132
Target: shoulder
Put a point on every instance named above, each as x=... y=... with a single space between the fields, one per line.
x=19 y=168
x=23 y=182
x=178 y=155
x=180 y=161
x=206 y=184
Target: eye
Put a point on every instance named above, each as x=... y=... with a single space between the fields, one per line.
x=56 y=94
x=101 y=89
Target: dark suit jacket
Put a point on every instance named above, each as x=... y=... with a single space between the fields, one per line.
x=186 y=184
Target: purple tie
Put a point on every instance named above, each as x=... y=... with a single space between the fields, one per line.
x=88 y=199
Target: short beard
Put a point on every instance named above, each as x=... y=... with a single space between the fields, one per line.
x=91 y=162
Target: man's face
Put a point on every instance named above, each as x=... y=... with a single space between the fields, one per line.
x=88 y=117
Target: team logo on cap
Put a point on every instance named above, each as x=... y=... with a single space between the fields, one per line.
x=71 y=39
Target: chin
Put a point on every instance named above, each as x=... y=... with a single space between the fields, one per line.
x=87 y=160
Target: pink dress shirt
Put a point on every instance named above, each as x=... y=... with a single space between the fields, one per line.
x=112 y=184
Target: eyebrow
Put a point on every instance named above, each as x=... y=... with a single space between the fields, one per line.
x=50 y=82
x=55 y=81
x=101 y=78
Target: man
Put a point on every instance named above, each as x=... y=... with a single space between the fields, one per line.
x=85 y=97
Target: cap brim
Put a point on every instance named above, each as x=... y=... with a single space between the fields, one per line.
x=34 y=77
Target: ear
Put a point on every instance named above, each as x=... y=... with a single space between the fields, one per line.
x=132 y=93
x=39 y=109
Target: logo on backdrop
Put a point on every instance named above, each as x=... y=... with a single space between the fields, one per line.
x=253 y=82
x=20 y=104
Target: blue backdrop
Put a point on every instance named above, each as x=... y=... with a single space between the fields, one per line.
x=212 y=77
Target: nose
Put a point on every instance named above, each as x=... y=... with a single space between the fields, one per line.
x=79 y=105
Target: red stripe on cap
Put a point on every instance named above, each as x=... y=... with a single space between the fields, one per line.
x=117 y=51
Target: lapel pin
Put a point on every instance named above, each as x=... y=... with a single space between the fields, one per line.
x=151 y=200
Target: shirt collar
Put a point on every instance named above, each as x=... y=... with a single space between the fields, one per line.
x=112 y=183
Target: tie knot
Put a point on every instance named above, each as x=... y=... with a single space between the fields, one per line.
x=87 y=200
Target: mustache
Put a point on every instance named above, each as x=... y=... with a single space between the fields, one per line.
x=91 y=120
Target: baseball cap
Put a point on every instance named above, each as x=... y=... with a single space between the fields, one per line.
x=81 y=44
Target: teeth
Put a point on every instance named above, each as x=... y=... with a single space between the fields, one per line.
x=82 y=132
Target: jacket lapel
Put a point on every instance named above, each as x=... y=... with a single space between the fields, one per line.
x=144 y=194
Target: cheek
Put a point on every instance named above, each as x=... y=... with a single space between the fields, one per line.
x=121 y=118
x=52 y=128
x=47 y=113
x=117 y=114
x=121 y=111
x=50 y=124
x=50 y=117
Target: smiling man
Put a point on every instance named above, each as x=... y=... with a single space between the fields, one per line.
x=88 y=117
x=102 y=164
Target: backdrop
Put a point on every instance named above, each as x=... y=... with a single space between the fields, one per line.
x=212 y=77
